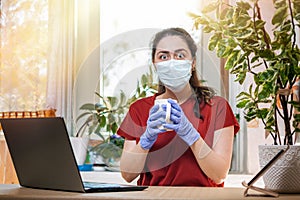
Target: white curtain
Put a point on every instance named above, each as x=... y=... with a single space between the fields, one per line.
x=39 y=41
x=61 y=58
x=23 y=54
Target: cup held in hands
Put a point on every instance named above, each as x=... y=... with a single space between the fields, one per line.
x=161 y=102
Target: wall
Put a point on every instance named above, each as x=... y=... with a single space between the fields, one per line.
x=86 y=53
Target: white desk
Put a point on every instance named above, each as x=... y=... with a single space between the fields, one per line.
x=100 y=175
x=232 y=180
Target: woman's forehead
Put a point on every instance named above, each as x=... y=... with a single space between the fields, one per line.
x=172 y=44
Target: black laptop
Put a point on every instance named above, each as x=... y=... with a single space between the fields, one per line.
x=43 y=157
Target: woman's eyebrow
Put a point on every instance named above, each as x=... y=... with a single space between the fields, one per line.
x=177 y=50
x=163 y=51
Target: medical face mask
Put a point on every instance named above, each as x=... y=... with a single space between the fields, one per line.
x=174 y=74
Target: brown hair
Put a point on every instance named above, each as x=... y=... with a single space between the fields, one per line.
x=202 y=93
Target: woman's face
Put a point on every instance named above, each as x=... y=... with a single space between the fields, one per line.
x=172 y=47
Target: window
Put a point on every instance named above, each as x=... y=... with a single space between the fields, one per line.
x=125 y=34
x=23 y=54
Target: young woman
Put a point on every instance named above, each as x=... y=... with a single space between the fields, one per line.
x=196 y=150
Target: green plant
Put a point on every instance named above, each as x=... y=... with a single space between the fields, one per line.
x=106 y=115
x=271 y=62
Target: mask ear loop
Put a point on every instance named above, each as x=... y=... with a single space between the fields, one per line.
x=152 y=65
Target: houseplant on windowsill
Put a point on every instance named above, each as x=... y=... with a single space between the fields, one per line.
x=104 y=117
x=270 y=60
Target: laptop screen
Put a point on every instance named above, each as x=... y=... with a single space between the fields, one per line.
x=42 y=154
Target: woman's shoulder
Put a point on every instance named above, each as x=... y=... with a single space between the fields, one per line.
x=219 y=101
x=217 y=98
x=146 y=101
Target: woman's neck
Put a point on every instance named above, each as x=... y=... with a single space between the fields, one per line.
x=181 y=96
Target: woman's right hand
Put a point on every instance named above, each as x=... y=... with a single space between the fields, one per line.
x=154 y=121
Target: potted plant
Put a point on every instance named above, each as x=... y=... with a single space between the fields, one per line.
x=270 y=61
x=104 y=117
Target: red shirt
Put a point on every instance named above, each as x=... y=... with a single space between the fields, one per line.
x=170 y=162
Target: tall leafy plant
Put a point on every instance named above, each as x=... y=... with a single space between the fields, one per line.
x=270 y=60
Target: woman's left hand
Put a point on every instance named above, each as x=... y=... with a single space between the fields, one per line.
x=181 y=125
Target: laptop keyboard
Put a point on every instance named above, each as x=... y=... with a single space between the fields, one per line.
x=100 y=185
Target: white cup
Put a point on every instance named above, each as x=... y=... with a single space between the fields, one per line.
x=161 y=102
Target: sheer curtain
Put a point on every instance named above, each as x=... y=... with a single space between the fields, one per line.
x=61 y=66
x=37 y=56
x=23 y=54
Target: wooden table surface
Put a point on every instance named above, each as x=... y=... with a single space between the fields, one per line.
x=14 y=191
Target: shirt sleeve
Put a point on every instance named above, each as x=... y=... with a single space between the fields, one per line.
x=135 y=121
x=225 y=116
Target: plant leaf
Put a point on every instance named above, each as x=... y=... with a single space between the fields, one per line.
x=280 y=15
x=211 y=7
x=232 y=60
x=87 y=106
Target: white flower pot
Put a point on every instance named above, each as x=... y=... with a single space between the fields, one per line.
x=284 y=175
x=80 y=146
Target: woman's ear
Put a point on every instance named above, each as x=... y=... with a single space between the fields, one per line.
x=194 y=65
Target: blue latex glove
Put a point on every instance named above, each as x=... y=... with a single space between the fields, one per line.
x=155 y=120
x=181 y=125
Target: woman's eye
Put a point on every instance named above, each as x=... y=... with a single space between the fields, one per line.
x=180 y=56
x=163 y=57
